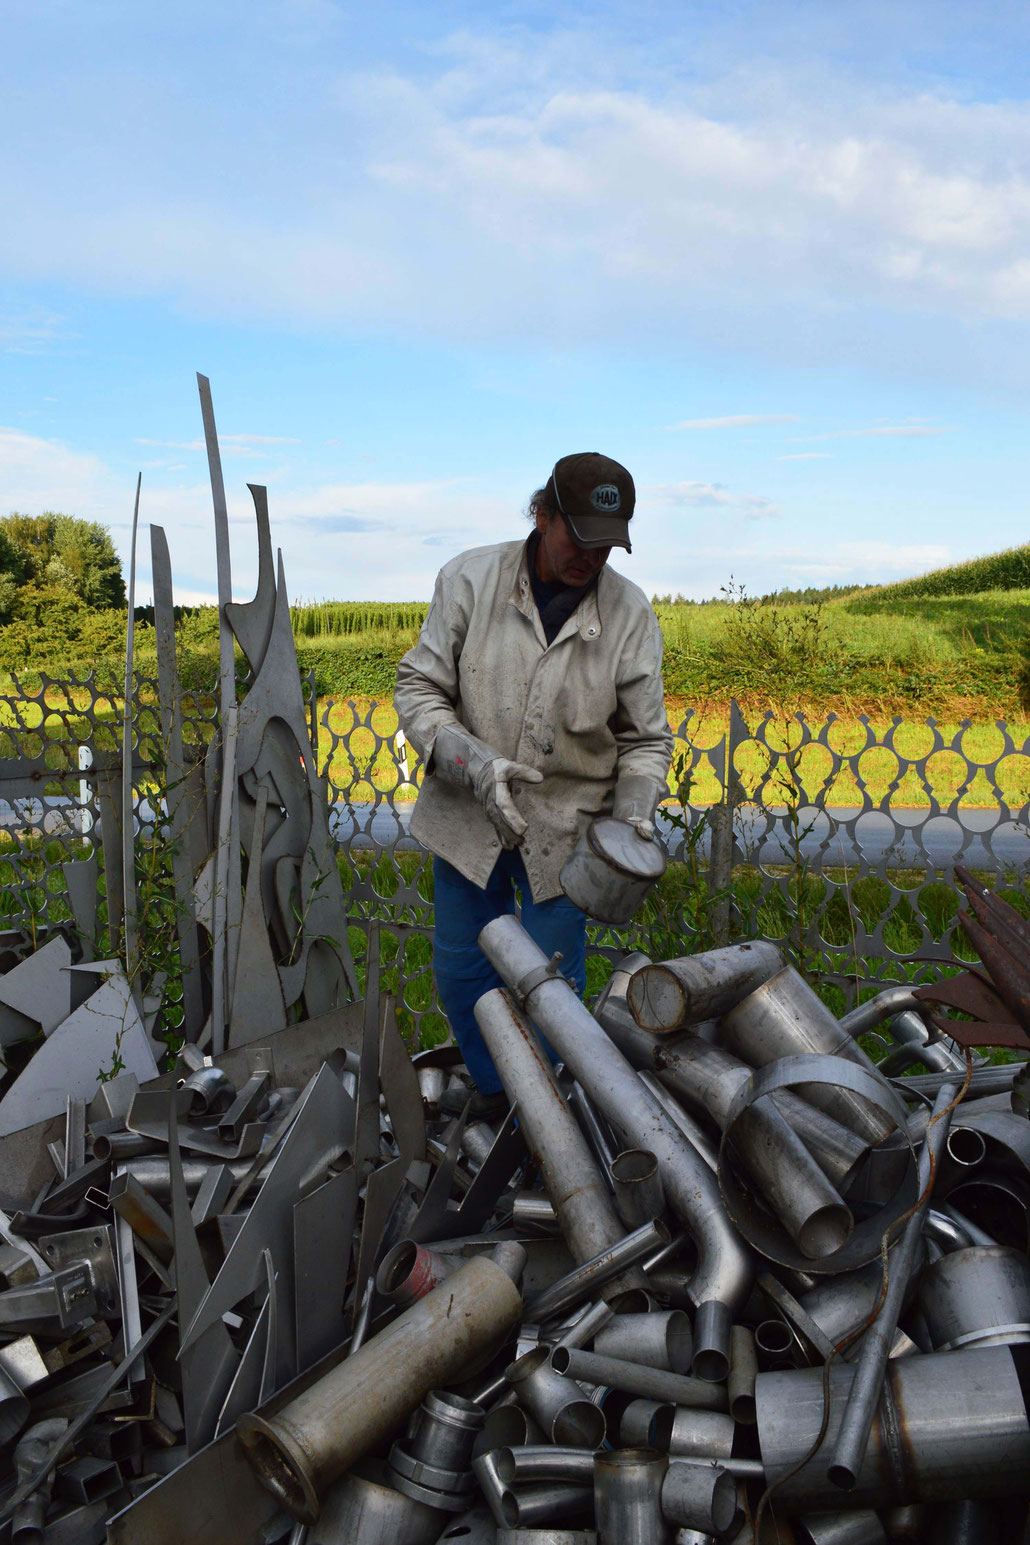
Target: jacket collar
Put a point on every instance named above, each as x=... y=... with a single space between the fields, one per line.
x=586 y=619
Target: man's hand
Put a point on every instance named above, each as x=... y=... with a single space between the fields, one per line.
x=636 y=800
x=494 y=794
x=461 y=759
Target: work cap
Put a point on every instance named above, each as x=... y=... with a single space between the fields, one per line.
x=596 y=496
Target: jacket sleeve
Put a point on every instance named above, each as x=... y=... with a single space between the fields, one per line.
x=640 y=724
x=427 y=691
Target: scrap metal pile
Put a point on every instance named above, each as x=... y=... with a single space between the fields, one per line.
x=281 y=1296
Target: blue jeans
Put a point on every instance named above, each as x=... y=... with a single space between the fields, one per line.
x=463 y=973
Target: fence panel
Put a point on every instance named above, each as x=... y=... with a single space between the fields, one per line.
x=836 y=839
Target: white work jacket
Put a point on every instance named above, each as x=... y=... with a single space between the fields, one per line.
x=582 y=710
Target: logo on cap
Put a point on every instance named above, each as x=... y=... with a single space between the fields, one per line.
x=605 y=498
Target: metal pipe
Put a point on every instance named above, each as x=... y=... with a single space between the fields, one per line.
x=966 y=1147
x=701 y=1435
x=634 y=1379
x=543 y=1536
x=995 y=1079
x=867 y=1015
x=646 y=1424
x=544 y=1462
x=951 y=1425
x=532 y=1209
x=673 y=993
x=151 y=1171
x=724 y=1270
x=909 y=1029
x=872 y=1363
x=571 y=1177
x=698 y=1495
x=777 y=1159
x=945 y=1232
x=506 y=1426
x=591 y=1275
x=594 y=1131
x=783 y=1018
x=637 y=1183
x=303 y=1448
x=409 y=1271
x=977 y=1297
x=660 y=1339
x=556 y=1402
x=740 y=1386
x=544 y=1502
x=628 y=1496
x=692 y=1130
x=364 y=1509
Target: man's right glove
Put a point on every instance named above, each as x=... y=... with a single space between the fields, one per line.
x=459 y=758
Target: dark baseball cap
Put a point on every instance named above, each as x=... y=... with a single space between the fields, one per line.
x=596 y=496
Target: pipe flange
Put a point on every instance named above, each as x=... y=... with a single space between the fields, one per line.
x=445 y=1501
x=532 y=979
x=756 y=1225
x=429 y=1478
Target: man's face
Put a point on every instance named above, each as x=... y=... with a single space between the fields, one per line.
x=560 y=560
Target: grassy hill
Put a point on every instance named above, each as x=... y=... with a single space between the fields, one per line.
x=1008 y=570
x=955 y=643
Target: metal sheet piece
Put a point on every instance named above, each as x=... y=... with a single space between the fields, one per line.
x=321 y=1131
x=39 y=987
x=257 y=1003
x=251 y=621
x=323 y=1233
x=207 y=1366
x=105 y=1035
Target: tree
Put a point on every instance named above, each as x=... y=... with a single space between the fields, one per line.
x=53 y=549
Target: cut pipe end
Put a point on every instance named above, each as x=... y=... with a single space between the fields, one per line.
x=842 y=1476
x=282 y=1469
x=827 y=1230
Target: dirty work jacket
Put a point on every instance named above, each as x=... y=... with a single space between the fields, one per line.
x=583 y=710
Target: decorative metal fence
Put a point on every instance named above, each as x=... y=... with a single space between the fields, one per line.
x=836 y=838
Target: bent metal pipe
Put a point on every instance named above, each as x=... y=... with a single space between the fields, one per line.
x=724 y=1271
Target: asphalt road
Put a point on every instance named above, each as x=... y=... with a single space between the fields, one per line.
x=836 y=836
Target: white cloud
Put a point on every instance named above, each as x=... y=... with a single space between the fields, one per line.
x=886 y=431
x=751 y=506
x=489 y=194
x=737 y=421
x=30 y=332
x=38 y=474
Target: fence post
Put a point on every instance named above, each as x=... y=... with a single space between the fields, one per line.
x=720 y=819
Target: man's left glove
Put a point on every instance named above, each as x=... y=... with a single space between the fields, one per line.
x=636 y=800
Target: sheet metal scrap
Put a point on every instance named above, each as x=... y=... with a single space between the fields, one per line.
x=997 y=994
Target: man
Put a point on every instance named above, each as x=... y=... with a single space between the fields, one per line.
x=534 y=697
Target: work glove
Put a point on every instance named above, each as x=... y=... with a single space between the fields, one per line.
x=459 y=758
x=636 y=800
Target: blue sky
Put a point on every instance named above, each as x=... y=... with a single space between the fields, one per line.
x=774 y=257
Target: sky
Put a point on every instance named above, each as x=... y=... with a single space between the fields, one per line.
x=773 y=257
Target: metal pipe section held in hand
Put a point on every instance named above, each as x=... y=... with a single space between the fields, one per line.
x=307 y=1445
x=872 y=1362
x=724 y=1270
x=570 y=1174
x=670 y=994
